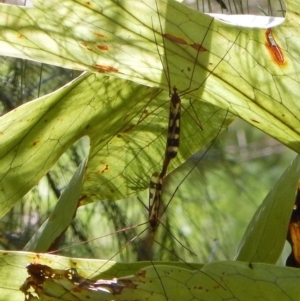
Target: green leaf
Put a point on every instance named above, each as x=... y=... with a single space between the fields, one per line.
x=126 y=123
x=236 y=72
x=61 y=217
x=264 y=238
x=13 y=269
x=215 y=281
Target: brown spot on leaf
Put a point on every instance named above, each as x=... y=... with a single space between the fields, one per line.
x=40 y=275
x=175 y=39
x=198 y=47
x=182 y=41
x=128 y=283
x=104 y=69
x=86 y=46
x=99 y=35
x=274 y=47
x=141 y=273
x=102 y=47
x=104 y=169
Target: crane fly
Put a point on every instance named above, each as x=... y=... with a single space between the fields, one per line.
x=156 y=197
x=145 y=244
x=173 y=134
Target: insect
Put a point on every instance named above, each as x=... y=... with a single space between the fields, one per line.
x=148 y=245
x=153 y=209
x=172 y=141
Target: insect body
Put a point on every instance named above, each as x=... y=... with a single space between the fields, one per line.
x=154 y=200
x=174 y=126
x=173 y=135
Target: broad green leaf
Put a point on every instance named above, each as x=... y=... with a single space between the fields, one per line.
x=59 y=220
x=264 y=238
x=13 y=269
x=213 y=282
x=126 y=124
x=118 y=38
